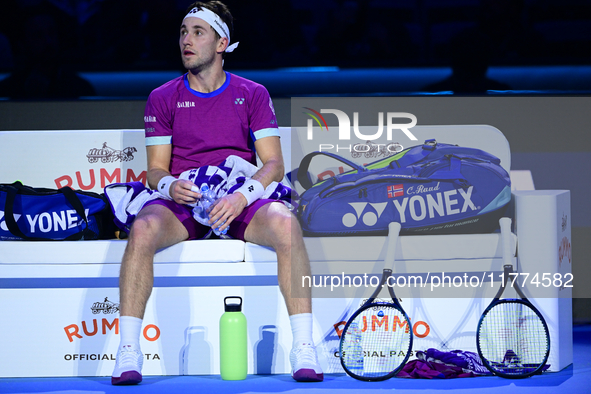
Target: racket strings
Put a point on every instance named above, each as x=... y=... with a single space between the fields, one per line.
x=513 y=338
x=377 y=342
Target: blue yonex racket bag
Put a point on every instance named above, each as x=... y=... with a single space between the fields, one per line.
x=39 y=214
x=433 y=188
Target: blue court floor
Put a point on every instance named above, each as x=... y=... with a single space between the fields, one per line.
x=572 y=380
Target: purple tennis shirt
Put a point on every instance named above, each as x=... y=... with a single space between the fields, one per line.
x=205 y=128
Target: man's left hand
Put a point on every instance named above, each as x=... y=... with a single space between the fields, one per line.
x=226 y=209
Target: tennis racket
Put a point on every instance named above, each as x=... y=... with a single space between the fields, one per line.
x=512 y=336
x=377 y=340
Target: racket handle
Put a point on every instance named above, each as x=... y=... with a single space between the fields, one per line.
x=506 y=242
x=394 y=227
x=393 y=232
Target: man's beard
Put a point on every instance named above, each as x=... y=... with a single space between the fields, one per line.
x=198 y=63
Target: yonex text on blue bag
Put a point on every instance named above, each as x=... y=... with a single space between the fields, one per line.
x=434 y=188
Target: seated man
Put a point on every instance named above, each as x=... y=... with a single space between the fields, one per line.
x=196 y=120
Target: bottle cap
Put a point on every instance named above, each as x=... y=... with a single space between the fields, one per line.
x=233 y=307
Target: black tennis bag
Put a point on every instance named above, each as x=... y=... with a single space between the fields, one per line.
x=433 y=188
x=40 y=214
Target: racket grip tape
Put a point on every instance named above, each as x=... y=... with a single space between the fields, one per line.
x=393 y=232
x=506 y=241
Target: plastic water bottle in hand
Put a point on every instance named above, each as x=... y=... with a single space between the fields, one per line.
x=208 y=198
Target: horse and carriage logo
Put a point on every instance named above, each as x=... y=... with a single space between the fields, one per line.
x=107 y=307
x=107 y=154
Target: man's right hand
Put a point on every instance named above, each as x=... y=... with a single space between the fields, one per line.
x=181 y=193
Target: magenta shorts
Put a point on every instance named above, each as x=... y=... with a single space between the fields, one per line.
x=198 y=231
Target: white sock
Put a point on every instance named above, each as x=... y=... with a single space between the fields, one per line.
x=301 y=327
x=130 y=329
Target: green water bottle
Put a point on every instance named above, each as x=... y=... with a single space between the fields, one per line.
x=233 y=348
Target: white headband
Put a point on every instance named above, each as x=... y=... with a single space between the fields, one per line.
x=214 y=21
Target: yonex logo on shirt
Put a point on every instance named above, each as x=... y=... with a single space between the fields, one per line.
x=149 y=119
x=239 y=101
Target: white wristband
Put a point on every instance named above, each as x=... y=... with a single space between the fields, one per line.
x=164 y=185
x=252 y=190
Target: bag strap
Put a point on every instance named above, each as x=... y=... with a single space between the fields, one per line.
x=69 y=194
x=418 y=153
x=73 y=199
x=304 y=177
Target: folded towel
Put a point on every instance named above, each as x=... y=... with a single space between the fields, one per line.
x=127 y=199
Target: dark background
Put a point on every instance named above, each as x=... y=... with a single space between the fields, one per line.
x=114 y=35
x=46 y=44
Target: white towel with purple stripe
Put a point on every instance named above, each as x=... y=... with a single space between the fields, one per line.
x=127 y=199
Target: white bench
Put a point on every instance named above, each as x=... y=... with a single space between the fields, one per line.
x=63 y=295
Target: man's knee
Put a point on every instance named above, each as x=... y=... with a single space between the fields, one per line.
x=146 y=231
x=145 y=226
x=275 y=226
x=286 y=228
x=156 y=227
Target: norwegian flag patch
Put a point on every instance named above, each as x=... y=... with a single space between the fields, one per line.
x=395 y=191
